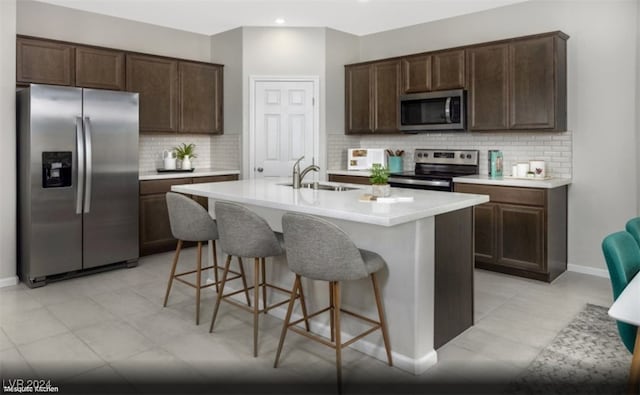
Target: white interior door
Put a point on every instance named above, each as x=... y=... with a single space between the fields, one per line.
x=284 y=126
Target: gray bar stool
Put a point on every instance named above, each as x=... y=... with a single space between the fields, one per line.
x=191 y=222
x=319 y=250
x=243 y=233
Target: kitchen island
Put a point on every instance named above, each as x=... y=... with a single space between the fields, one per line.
x=427 y=243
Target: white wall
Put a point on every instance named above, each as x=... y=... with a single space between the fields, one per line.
x=602 y=72
x=8 y=228
x=226 y=48
x=67 y=24
x=340 y=48
x=282 y=52
x=638 y=101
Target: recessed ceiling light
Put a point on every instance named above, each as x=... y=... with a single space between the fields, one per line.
x=280 y=21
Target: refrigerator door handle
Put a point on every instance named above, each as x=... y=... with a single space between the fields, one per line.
x=80 y=164
x=89 y=173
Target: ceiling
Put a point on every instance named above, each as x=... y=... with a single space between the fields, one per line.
x=209 y=17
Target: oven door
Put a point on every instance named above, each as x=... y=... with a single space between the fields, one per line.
x=413 y=183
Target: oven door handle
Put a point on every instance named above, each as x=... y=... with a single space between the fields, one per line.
x=429 y=183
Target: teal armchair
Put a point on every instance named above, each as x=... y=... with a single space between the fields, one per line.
x=622 y=254
x=633 y=227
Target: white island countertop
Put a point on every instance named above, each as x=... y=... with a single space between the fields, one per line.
x=344 y=205
x=198 y=172
x=553 y=182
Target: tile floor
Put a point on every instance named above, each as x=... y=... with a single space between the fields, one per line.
x=110 y=328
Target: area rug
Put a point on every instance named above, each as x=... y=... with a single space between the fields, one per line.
x=586 y=357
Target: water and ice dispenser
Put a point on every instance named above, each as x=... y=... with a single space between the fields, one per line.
x=56 y=169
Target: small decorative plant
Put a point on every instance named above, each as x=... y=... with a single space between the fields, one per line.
x=379 y=174
x=184 y=150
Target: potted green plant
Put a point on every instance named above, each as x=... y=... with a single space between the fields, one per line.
x=185 y=152
x=379 y=181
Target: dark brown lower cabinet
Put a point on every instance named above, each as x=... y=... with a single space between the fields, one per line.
x=349 y=179
x=155 y=229
x=521 y=231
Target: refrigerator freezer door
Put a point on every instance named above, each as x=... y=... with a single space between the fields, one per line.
x=51 y=231
x=111 y=196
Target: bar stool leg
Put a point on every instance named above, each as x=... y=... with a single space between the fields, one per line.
x=215 y=263
x=244 y=281
x=383 y=320
x=219 y=299
x=331 y=312
x=173 y=272
x=336 y=313
x=303 y=304
x=287 y=319
x=634 y=373
x=198 y=282
x=264 y=283
x=256 y=303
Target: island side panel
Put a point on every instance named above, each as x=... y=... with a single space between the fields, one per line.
x=453 y=275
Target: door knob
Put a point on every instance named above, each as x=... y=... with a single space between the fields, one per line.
x=260 y=169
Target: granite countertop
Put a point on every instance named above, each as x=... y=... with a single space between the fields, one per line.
x=553 y=182
x=198 y=172
x=344 y=205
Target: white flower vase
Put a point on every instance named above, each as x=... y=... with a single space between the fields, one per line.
x=186 y=162
x=381 y=190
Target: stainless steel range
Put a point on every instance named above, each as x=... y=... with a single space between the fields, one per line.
x=435 y=169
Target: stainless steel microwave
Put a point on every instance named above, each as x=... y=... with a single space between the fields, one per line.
x=432 y=111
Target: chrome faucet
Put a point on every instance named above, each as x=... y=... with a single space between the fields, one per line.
x=298 y=175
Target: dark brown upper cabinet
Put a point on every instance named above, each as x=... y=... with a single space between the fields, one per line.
x=537 y=83
x=487 y=99
x=358 y=99
x=44 y=62
x=176 y=96
x=448 y=70
x=519 y=84
x=433 y=71
x=386 y=94
x=200 y=98
x=371 y=97
x=99 y=68
x=416 y=74
x=156 y=80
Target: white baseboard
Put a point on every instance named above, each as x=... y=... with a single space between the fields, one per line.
x=588 y=270
x=8 y=281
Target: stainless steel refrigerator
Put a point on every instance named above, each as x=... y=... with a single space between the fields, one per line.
x=78 y=180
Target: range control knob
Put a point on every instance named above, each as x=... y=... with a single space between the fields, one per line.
x=461 y=156
x=468 y=156
x=419 y=154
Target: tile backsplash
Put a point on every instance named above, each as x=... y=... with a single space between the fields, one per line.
x=554 y=148
x=213 y=151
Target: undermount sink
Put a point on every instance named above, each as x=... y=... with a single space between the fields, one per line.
x=322 y=187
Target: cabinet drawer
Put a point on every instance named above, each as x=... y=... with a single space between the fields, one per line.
x=515 y=195
x=161 y=186
x=226 y=177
